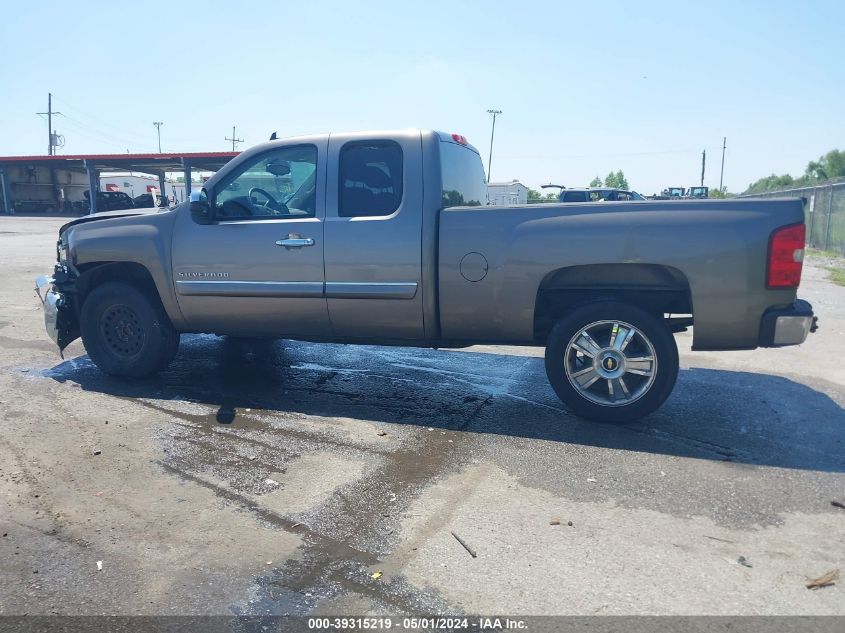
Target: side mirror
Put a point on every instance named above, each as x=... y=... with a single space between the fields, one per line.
x=200 y=208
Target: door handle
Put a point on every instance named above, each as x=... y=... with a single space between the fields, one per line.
x=295 y=242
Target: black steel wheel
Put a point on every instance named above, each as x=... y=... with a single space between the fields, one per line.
x=126 y=331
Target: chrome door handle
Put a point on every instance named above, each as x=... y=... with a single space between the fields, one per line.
x=295 y=242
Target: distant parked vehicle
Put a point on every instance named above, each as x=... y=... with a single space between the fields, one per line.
x=145 y=201
x=111 y=200
x=594 y=194
x=680 y=193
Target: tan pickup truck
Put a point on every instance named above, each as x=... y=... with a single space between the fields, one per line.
x=387 y=238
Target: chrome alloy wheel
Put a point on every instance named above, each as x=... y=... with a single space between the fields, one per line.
x=610 y=363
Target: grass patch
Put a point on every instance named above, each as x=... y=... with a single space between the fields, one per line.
x=818 y=252
x=837 y=276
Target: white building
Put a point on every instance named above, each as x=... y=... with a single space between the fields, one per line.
x=134 y=184
x=507 y=193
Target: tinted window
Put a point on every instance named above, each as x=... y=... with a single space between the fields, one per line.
x=464 y=183
x=280 y=183
x=370 y=178
x=574 y=196
x=604 y=194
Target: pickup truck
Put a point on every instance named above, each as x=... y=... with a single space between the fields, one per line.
x=387 y=238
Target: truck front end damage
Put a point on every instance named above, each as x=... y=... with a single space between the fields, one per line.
x=58 y=297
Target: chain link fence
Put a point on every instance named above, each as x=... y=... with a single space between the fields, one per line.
x=824 y=213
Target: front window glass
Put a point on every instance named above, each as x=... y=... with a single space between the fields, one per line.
x=278 y=184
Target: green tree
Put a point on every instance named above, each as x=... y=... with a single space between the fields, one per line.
x=533 y=194
x=622 y=182
x=551 y=196
x=596 y=182
x=827 y=167
x=617 y=180
x=831 y=165
x=724 y=193
x=774 y=182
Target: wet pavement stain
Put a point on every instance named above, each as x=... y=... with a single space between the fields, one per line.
x=240 y=409
x=258 y=404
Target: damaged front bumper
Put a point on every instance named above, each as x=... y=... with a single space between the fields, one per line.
x=59 y=316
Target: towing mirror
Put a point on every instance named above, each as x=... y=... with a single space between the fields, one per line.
x=200 y=208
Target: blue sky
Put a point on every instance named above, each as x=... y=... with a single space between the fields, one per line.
x=585 y=88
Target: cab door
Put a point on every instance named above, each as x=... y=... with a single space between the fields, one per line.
x=257 y=267
x=373 y=234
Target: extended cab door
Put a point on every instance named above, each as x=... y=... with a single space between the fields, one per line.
x=373 y=236
x=257 y=268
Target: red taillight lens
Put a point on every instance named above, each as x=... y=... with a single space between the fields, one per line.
x=786 y=257
x=459 y=139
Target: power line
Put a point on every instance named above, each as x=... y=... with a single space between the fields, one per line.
x=98 y=123
x=95 y=136
x=617 y=155
x=93 y=133
x=95 y=127
x=234 y=139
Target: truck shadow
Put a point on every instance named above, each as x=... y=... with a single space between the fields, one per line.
x=713 y=414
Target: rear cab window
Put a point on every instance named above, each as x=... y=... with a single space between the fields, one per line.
x=462 y=174
x=370 y=178
x=574 y=196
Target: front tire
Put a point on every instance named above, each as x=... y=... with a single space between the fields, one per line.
x=126 y=332
x=612 y=362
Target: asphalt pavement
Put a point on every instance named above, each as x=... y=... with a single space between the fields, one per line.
x=256 y=477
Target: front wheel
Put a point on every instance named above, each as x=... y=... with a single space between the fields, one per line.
x=126 y=331
x=612 y=362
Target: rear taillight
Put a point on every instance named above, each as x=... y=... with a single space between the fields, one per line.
x=786 y=257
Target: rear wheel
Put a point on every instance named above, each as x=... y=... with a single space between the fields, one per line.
x=611 y=361
x=126 y=332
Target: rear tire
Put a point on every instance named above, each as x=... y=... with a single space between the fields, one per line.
x=612 y=362
x=126 y=332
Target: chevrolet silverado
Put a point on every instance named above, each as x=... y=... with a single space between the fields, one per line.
x=387 y=238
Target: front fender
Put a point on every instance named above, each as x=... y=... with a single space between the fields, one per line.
x=142 y=240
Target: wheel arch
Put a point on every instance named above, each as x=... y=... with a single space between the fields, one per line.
x=93 y=274
x=656 y=288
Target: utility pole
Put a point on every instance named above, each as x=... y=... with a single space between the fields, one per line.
x=158 y=125
x=703 y=161
x=51 y=135
x=495 y=113
x=234 y=139
x=722 y=174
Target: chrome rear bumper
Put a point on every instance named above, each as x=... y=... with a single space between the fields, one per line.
x=787 y=326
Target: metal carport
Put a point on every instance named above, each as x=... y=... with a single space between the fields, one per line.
x=93 y=164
